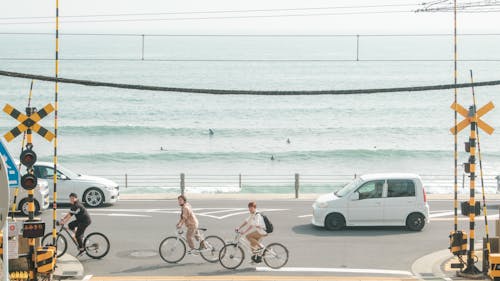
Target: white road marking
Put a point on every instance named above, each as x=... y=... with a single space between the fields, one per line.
x=305 y=216
x=210 y=212
x=120 y=215
x=87 y=277
x=462 y=218
x=444 y=214
x=335 y=270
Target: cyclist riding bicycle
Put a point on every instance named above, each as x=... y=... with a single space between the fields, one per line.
x=81 y=222
x=189 y=219
x=256 y=229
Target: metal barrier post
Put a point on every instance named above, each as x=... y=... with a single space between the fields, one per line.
x=239 y=181
x=297 y=186
x=183 y=184
x=126 y=180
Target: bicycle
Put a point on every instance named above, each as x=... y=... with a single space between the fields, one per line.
x=231 y=256
x=173 y=248
x=96 y=244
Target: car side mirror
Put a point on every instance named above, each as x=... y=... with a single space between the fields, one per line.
x=355 y=196
x=63 y=177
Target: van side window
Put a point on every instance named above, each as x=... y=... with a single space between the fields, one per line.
x=371 y=189
x=400 y=188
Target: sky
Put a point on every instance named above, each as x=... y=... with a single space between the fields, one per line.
x=219 y=16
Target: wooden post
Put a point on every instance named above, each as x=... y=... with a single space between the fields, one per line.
x=183 y=183
x=239 y=181
x=126 y=180
x=297 y=185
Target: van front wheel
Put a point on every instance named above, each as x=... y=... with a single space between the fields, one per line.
x=415 y=222
x=334 y=222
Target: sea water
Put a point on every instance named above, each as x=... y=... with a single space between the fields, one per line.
x=108 y=131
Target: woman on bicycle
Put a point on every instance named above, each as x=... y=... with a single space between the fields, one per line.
x=80 y=224
x=256 y=229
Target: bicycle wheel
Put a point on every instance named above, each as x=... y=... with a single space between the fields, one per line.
x=61 y=243
x=96 y=245
x=172 y=249
x=231 y=256
x=210 y=248
x=275 y=255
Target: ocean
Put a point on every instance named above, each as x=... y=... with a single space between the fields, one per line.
x=150 y=135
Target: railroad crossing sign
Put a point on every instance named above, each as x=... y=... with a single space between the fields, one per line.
x=470 y=116
x=28 y=122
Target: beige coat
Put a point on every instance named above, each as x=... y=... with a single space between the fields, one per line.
x=187 y=217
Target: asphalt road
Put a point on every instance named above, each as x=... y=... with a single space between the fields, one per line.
x=136 y=228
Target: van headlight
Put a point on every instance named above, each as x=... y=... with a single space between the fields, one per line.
x=321 y=204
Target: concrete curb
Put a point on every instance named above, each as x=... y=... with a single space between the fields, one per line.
x=429 y=266
x=68 y=266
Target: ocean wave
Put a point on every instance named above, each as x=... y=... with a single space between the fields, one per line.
x=136 y=130
x=337 y=155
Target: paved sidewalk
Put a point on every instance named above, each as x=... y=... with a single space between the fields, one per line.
x=245 y=278
x=68 y=266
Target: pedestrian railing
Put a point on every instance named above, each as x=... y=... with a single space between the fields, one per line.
x=280 y=183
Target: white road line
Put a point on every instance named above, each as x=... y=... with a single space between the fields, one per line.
x=87 y=277
x=462 y=218
x=120 y=215
x=335 y=270
x=305 y=216
x=444 y=214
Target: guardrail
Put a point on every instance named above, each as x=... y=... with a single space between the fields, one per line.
x=292 y=183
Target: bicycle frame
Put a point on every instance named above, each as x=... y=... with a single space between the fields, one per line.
x=241 y=240
x=64 y=229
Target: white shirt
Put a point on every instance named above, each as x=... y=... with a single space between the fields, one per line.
x=255 y=220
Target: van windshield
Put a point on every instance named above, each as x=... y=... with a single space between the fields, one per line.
x=347 y=188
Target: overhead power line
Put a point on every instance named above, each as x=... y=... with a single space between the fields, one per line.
x=246 y=92
x=218 y=11
x=211 y=18
x=484 y=6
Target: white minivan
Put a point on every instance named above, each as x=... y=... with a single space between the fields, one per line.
x=394 y=199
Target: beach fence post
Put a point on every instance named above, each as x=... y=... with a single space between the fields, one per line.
x=126 y=180
x=357 y=47
x=142 y=47
x=239 y=180
x=297 y=185
x=183 y=183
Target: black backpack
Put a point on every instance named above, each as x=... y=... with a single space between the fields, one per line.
x=267 y=222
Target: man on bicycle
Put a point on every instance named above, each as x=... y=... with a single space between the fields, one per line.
x=256 y=229
x=81 y=222
x=189 y=219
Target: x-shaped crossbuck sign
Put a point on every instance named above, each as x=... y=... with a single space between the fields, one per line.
x=470 y=117
x=28 y=122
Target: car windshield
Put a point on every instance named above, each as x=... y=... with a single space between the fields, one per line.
x=70 y=174
x=347 y=188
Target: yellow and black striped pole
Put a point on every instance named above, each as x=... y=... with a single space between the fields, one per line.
x=485 y=211
x=471 y=268
x=56 y=106
x=31 y=204
x=455 y=57
x=16 y=192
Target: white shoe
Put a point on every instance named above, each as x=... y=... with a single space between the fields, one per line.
x=193 y=252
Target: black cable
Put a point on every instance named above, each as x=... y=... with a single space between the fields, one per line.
x=246 y=92
x=212 y=18
x=218 y=12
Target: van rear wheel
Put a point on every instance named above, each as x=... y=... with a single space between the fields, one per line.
x=334 y=222
x=415 y=222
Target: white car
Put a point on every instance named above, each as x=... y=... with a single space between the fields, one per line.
x=374 y=199
x=93 y=191
x=40 y=197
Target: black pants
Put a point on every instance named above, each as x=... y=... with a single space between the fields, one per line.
x=80 y=230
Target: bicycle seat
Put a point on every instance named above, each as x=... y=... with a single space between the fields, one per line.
x=202 y=229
